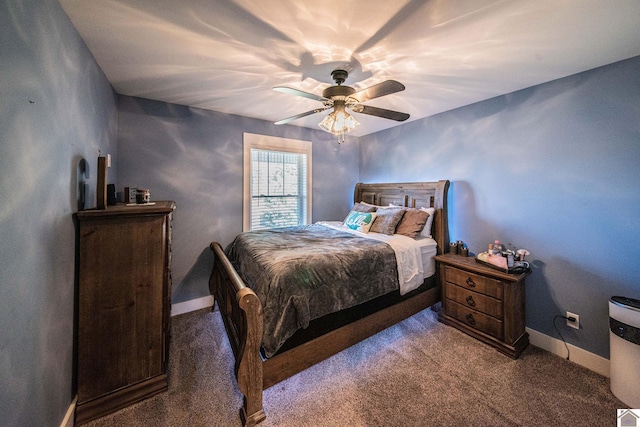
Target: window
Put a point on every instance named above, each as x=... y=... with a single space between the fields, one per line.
x=277 y=182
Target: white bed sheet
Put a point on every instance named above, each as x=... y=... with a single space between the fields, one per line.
x=414 y=256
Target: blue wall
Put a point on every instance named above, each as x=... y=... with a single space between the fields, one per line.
x=554 y=169
x=195 y=157
x=56 y=111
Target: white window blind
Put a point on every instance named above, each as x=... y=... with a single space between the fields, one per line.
x=278 y=189
x=277 y=180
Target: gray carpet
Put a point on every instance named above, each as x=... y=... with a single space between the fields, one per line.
x=417 y=373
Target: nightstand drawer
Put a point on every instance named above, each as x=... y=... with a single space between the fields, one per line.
x=475 y=282
x=474 y=300
x=475 y=319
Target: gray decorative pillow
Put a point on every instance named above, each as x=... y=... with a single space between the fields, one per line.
x=362 y=207
x=412 y=222
x=386 y=220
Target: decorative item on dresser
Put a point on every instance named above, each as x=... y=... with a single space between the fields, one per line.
x=124 y=294
x=483 y=302
x=246 y=318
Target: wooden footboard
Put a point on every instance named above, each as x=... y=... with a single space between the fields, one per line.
x=241 y=312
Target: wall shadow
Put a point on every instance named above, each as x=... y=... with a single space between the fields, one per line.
x=196 y=282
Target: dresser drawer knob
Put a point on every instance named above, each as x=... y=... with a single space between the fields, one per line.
x=470 y=319
x=470 y=282
x=470 y=301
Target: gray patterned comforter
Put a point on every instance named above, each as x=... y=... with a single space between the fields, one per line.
x=302 y=273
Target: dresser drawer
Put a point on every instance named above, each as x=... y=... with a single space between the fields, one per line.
x=482 y=322
x=475 y=282
x=474 y=300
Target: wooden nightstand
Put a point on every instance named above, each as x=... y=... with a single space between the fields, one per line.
x=483 y=302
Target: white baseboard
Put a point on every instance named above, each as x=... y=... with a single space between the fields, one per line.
x=577 y=355
x=191 y=305
x=67 y=421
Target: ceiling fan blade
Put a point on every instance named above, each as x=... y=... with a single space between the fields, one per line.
x=292 y=91
x=381 y=89
x=298 y=116
x=381 y=112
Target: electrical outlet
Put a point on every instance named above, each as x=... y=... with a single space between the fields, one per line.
x=573 y=323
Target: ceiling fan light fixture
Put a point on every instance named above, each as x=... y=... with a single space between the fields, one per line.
x=339 y=122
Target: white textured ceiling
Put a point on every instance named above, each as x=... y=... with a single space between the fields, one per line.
x=226 y=55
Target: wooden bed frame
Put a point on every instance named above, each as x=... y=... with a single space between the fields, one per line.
x=241 y=309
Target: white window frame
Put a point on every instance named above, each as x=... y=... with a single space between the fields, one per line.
x=263 y=142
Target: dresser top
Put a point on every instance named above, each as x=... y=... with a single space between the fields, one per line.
x=154 y=208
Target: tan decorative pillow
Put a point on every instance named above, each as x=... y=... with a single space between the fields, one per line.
x=412 y=222
x=386 y=220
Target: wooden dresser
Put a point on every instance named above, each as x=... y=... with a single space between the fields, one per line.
x=483 y=302
x=123 y=306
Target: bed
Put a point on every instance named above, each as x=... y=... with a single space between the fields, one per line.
x=270 y=343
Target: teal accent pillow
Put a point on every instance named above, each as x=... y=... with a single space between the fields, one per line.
x=360 y=221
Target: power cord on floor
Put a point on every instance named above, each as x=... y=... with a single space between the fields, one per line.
x=558 y=331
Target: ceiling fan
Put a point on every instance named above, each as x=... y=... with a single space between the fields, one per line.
x=340 y=98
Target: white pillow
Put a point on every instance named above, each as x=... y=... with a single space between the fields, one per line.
x=360 y=221
x=426 y=231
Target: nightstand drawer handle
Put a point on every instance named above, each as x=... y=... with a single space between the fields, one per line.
x=470 y=301
x=470 y=319
x=470 y=282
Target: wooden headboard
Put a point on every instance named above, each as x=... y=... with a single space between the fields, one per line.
x=413 y=195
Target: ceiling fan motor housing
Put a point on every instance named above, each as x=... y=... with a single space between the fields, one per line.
x=338 y=91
